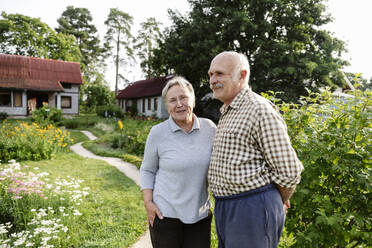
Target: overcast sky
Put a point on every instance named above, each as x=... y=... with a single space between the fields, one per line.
x=352 y=21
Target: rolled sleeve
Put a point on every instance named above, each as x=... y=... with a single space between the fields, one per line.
x=278 y=151
x=150 y=163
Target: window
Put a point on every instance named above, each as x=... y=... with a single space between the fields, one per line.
x=17 y=99
x=155 y=103
x=5 y=98
x=149 y=103
x=143 y=105
x=66 y=85
x=65 y=101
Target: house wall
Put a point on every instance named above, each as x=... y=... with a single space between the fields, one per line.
x=73 y=92
x=161 y=111
x=16 y=111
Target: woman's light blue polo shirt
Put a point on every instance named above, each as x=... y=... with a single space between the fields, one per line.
x=175 y=167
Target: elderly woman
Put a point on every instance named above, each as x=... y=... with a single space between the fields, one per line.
x=173 y=172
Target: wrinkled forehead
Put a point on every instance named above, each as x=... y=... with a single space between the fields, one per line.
x=177 y=90
x=223 y=62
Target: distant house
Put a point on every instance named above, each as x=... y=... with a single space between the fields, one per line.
x=27 y=82
x=144 y=96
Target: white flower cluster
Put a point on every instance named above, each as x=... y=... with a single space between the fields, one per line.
x=46 y=225
x=71 y=188
x=44 y=229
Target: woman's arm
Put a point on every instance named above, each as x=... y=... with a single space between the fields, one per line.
x=150 y=206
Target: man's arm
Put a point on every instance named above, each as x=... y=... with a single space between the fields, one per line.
x=286 y=193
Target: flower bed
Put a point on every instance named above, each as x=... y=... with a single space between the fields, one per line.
x=34 y=211
x=23 y=141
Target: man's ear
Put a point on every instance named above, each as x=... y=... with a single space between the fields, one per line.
x=243 y=74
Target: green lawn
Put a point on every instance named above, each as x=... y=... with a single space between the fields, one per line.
x=113 y=213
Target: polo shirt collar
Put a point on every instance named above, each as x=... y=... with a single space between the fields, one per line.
x=174 y=127
x=238 y=100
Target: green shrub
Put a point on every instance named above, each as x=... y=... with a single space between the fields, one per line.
x=3 y=116
x=22 y=141
x=80 y=122
x=47 y=115
x=70 y=123
x=132 y=159
x=331 y=206
x=110 y=111
x=132 y=137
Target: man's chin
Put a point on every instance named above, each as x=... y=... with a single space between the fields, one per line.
x=216 y=96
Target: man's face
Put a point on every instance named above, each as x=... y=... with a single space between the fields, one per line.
x=222 y=81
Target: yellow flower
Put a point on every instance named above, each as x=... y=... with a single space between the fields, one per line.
x=120 y=124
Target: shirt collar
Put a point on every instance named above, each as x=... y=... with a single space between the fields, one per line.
x=237 y=101
x=174 y=127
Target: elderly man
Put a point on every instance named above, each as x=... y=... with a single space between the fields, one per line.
x=254 y=169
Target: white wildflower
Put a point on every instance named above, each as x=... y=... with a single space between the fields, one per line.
x=76 y=212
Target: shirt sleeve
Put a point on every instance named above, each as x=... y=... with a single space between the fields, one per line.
x=150 y=163
x=278 y=151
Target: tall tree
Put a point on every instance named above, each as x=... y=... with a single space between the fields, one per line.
x=119 y=35
x=23 y=35
x=287 y=49
x=78 y=22
x=146 y=40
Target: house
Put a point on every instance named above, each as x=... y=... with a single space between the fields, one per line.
x=27 y=82
x=144 y=96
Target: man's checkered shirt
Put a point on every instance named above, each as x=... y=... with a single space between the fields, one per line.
x=251 y=148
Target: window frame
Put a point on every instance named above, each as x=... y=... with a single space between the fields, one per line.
x=21 y=98
x=6 y=93
x=149 y=103
x=155 y=103
x=70 y=102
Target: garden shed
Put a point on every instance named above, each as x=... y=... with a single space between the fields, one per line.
x=144 y=97
x=27 y=82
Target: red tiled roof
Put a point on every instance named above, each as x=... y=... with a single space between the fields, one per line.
x=144 y=88
x=21 y=72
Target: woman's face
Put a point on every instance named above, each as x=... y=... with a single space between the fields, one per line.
x=180 y=104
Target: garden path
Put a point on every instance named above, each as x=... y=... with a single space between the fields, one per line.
x=128 y=169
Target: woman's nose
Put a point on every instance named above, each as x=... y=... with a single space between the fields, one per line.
x=179 y=103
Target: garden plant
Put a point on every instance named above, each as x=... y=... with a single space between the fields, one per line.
x=332 y=137
x=330 y=207
x=24 y=141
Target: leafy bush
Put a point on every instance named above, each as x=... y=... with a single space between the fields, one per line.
x=132 y=137
x=3 y=116
x=110 y=111
x=22 y=141
x=80 y=122
x=132 y=159
x=333 y=140
x=47 y=115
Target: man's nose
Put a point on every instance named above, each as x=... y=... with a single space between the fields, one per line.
x=212 y=80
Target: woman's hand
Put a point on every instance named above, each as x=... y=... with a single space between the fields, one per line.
x=152 y=210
